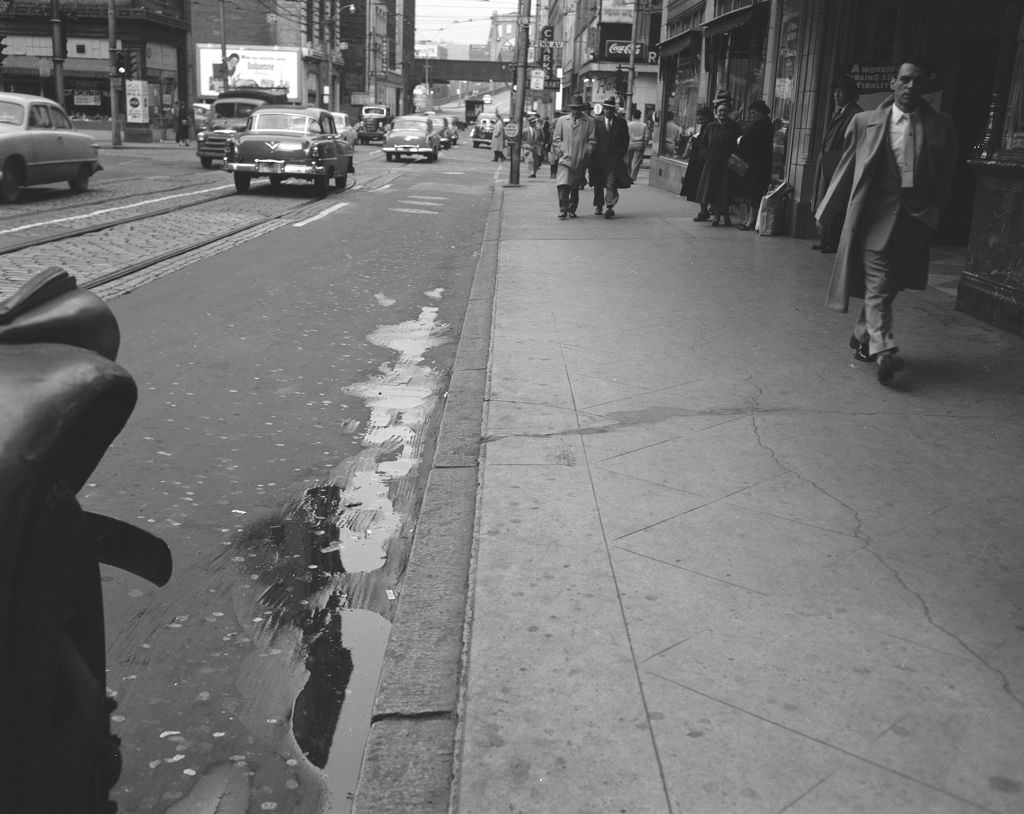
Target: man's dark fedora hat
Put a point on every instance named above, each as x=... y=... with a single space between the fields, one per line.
x=577 y=103
x=611 y=102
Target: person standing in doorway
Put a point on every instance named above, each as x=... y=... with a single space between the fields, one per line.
x=637 y=144
x=611 y=143
x=696 y=148
x=844 y=97
x=894 y=180
x=572 y=141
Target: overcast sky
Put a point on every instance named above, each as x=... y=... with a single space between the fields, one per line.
x=462 y=21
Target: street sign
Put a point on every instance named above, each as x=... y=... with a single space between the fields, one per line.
x=511 y=129
x=537 y=79
x=487 y=98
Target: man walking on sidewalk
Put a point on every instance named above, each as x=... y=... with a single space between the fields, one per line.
x=571 y=143
x=894 y=179
x=612 y=142
x=637 y=144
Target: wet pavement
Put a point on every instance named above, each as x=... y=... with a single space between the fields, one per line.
x=689 y=556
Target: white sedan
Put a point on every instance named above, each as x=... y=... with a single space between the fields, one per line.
x=39 y=145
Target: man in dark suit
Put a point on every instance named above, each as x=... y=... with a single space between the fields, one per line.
x=612 y=142
x=894 y=180
x=844 y=95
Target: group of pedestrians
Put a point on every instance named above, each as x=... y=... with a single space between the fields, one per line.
x=728 y=166
x=884 y=178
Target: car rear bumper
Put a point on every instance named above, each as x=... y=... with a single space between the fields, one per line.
x=400 y=150
x=275 y=167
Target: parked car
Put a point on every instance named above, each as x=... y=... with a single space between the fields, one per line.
x=483 y=130
x=39 y=145
x=344 y=127
x=374 y=121
x=280 y=141
x=411 y=136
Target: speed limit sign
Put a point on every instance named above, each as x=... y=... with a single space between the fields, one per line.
x=511 y=130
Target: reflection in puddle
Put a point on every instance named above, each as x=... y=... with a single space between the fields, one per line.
x=321 y=577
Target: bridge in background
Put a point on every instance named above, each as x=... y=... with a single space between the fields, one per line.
x=468 y=70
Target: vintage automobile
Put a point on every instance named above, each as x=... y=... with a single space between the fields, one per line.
x=448 y=134
x=374 y=122
x=412 y=136
x=344 y=127
x=39 y=145
x=483 y=130
x=227 y=115
x=281 y=141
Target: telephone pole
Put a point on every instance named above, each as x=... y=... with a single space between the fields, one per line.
x=522 y=49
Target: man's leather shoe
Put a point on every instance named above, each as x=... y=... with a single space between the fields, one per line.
x=860 y=349
x=889 y=363
x=598 y=210
x=562 y=215
x=702 y=216
x=572 y=213
x=817 y=247
x=609 y=214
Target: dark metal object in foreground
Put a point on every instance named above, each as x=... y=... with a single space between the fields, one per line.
x=63 y=400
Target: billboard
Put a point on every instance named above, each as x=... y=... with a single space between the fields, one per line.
x=248 y=66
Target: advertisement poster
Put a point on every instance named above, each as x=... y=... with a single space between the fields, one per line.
x=247 y=67
x=136 y=93
x=616 y=11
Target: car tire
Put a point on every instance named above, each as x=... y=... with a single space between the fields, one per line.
x=320 y=183
x=389 y=156
x=276 y=181
x=10 y=184
x=206 y=162
x=341 y=179
x=80 y=181
x=432 y=157
x=242 y=181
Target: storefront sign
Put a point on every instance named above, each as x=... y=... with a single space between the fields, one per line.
x=86 y=99
x=873 y=78
x=618 y=50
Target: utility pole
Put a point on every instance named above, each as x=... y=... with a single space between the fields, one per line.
x=223 y=50
x=522 y=48
x=115 y=77
x=58 y=51
x=627 y=101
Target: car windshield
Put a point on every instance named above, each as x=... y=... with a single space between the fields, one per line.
x=11 y=113
x=234 y=110
x=374 y=111
x=415 y=125
x=285 y=121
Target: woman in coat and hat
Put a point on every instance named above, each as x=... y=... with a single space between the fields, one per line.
x=498 y=138
x=572 y=140
x=757 y=149
x=717 y=181
x=696 y=148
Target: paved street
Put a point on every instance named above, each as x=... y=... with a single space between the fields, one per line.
x=715 y=567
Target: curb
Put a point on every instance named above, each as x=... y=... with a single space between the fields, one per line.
x=408 y=761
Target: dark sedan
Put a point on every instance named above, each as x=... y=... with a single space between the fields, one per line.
x=282 y=142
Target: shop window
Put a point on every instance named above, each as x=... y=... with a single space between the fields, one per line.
x=785 y=82
x=1013 y=138
x=681 y=100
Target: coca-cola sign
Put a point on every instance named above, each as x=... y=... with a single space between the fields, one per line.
x=619 y=49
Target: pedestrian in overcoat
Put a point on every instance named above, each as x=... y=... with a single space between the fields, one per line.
x=717 y=181
x=756 y=149
x=894 y=180
x=696 y=148
x=844 y=97
x=498 y=138
x=608 y=161
x=572 y=140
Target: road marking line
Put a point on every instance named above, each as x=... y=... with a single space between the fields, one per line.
x=429 y=197
x=416 y=211
x=323 y=214
x=120 y=208
x=422 y=203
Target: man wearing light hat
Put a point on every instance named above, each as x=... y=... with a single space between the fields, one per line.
x=612 y=142
x=572 y=140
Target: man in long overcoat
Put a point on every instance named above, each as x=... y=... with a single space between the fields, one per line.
x=894 y=179
x=609 y=156
x=844 y=97
x=572 y=140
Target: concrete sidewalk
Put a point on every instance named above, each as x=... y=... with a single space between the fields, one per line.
x=717 y=567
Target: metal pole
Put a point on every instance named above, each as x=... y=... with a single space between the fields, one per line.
x=223 y=49
x=522 y=48
x=627 y=102
x=58 y=52
x=115 y=78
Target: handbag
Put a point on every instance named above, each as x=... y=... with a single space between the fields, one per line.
x=737 y=165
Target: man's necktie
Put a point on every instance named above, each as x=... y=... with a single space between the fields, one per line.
x=907 y=167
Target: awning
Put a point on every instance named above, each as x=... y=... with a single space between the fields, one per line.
x=725 y=23
x=680 y=42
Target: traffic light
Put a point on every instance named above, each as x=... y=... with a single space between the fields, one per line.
x=3 y=47
x=119 y=63
x=133 y=63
